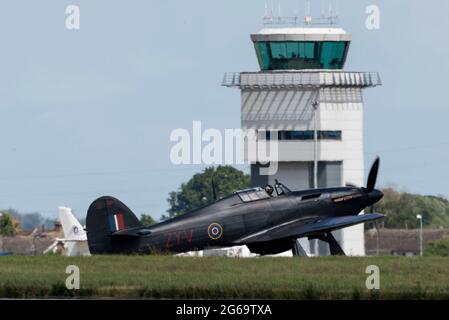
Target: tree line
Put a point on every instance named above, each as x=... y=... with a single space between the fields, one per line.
x=218 y=182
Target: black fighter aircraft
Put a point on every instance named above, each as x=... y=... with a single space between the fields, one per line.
x=265 y=222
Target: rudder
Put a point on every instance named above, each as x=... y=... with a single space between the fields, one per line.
x=71 y=227
x=105 y=216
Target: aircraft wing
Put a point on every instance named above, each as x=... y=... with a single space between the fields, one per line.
x=301 y=228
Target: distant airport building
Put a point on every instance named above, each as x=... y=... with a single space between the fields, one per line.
x=400 y=242
x=304 y=98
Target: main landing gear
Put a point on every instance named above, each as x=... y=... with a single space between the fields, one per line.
x=334 y=248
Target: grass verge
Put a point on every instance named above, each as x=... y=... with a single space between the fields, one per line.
x=229 y=278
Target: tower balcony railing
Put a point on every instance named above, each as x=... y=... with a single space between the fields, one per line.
x=231 y=79
x=303 y=78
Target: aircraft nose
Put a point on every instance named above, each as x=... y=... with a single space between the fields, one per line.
x=375 y=195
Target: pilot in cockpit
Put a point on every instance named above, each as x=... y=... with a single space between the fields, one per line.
x=269 y=189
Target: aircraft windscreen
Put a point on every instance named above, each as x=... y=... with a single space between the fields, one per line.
x=253 y=194
x=281 y=189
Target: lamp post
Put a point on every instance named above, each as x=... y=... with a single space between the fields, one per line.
x=419 y=217
x=315 y=145
x=377 y=237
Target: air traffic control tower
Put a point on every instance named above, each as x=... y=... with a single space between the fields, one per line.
x=303 y=94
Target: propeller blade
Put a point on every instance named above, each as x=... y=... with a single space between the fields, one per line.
x=372 y=176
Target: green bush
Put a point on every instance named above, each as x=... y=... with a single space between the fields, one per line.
x=438 y=247
x=7 y=226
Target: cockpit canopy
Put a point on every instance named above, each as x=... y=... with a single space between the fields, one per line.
x=281 y=189
x=252 y=194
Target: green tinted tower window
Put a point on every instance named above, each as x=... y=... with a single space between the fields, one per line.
x=296 y=55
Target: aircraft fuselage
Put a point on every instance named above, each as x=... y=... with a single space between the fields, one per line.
x=226 y=222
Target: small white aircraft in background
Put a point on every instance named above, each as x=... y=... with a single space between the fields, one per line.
x=74 y=242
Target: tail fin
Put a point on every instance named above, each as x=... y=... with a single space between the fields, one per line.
x=73 y=230
x=105 y=216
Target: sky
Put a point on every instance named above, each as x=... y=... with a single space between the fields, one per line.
x=89 y=112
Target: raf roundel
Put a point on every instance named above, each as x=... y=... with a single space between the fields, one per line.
x=215 y=231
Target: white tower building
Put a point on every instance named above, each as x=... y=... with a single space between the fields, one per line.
x=314 y=107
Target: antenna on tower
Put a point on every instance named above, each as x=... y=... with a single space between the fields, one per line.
x=270 y=18
x=307 y=16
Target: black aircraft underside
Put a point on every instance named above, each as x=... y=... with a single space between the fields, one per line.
x=266 y=223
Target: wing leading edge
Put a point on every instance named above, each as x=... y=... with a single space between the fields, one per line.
x=301 y=228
